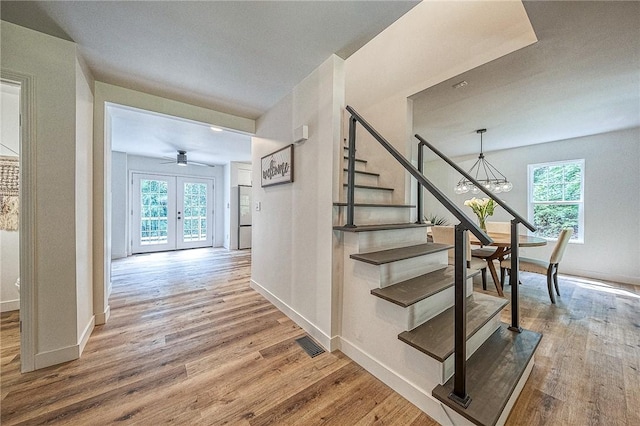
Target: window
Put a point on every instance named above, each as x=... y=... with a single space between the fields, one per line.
x=556 y=198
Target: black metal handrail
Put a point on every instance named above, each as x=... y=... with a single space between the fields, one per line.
x=517 y=218
x=481 y=187
x=459 y=393
x=404 y=162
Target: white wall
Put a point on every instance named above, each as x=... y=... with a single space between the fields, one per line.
x=51 y=63
x=292 y=234
x=10 y=240
x=122 y=164
x=611 y=248
x=431 y=43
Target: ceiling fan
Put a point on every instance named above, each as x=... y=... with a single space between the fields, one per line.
x=181 y=160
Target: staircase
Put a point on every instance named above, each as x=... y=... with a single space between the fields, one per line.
x=398 y=313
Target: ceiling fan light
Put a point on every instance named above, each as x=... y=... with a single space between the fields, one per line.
x=182 y=158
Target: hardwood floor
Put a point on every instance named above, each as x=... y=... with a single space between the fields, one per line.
x=190 y=343
x=587 y=367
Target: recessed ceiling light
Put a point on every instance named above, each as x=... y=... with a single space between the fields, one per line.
x=215 y=129
x=460 y=84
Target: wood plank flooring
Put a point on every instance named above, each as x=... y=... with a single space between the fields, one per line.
x=190 y=343
x=587 y=367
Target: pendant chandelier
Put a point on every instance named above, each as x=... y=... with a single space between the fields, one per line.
x=486 y=174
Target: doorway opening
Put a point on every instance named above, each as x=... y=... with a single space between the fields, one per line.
x=10 y=197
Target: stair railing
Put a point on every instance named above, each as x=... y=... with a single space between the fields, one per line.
x=459 y=393
x=517 y=218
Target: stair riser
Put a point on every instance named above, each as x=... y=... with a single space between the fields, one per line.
x=473 y=343
x=411 y=317
x=380 y=276
x=373 y=215
x=368 y=242
x=365 y=328
x=426 y=309
x=362 y=179
x=370 y=196
x=360 y=166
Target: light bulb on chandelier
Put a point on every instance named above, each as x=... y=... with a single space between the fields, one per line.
x=492 y=180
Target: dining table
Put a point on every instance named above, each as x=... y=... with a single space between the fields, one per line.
x=502 y=243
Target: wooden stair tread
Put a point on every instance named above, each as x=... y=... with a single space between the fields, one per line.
x=363 y=172
x=380 y=188
x=493 y=372
x=393 y=255
x=382 y=227
x=435 y=337
x=357 y=159
x=341 y=204
x=419 y=288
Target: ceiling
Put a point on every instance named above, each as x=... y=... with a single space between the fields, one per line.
x=148 y=134
x=242 y=57
x=581 y=78
x=238 y=57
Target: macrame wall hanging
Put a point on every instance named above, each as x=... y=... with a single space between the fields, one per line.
x=9 y=193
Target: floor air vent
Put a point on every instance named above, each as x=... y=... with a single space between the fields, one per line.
x=309 y=346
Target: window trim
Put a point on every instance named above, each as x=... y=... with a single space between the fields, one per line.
x=580 y=203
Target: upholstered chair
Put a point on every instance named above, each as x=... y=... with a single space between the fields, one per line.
x=550 y=267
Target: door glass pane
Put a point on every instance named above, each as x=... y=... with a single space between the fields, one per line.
x=195 y=209
x=153 y=218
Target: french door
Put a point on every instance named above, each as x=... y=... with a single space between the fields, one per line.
x=171 y=212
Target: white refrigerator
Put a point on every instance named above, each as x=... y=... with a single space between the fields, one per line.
x=244 y=217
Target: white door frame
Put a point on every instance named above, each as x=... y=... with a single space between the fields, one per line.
x=136 y=246
x=180 y=181
x=28 y=276
x=130 y=208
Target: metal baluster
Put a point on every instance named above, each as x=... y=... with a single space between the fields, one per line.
x=459 y=394
x=420 y=169
x=351 y=175
x=514 y=278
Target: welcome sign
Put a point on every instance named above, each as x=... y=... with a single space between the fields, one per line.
x=277 y=167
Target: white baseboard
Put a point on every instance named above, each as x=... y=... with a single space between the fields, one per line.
x=600 y=276
x=10 y=305
x=424 y=401
x=57 y=356
x=329 y=343
x=103 y=317
x=68 y=353
x=86 y=333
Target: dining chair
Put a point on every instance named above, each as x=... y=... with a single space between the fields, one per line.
x=550 y=267
x=446 y=235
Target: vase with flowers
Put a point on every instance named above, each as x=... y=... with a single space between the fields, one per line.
x=483 y=208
